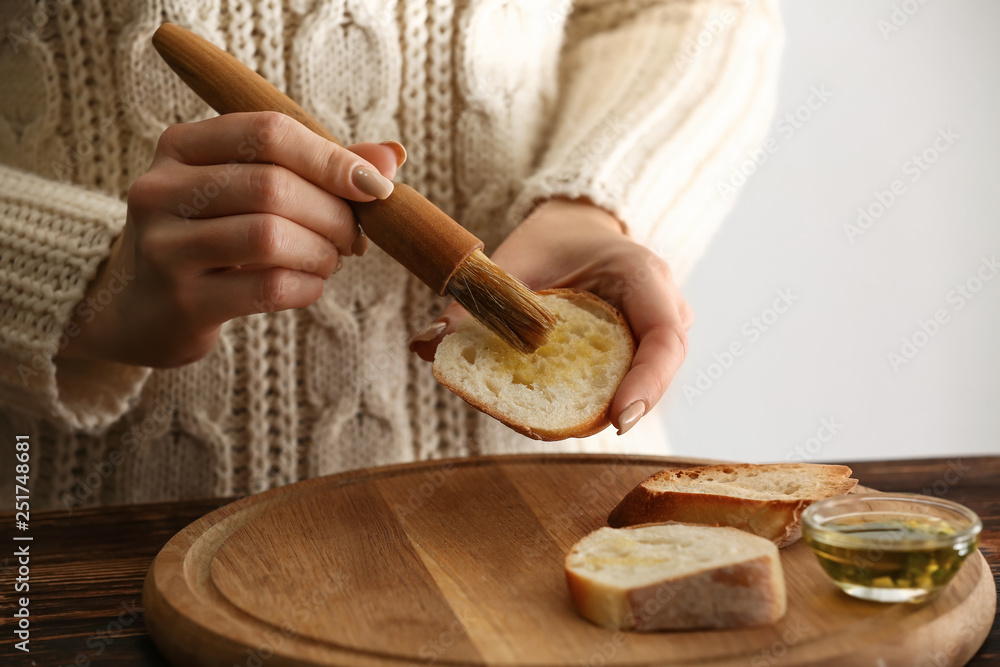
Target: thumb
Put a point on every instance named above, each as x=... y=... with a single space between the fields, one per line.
x=425 y=341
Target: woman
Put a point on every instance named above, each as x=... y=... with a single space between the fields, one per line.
x=185 y=309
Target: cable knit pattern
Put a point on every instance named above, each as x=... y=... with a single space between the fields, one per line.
x=638 y=105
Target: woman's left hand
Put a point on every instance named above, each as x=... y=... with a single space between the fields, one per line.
x=574 y=244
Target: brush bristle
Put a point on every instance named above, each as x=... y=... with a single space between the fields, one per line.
x=501 y=302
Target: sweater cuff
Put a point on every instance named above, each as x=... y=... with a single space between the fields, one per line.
x=53 y=238
x=646 y=127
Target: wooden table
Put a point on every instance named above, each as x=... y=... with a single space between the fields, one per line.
x=87 y=567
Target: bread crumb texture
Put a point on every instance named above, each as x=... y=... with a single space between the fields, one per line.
x=629 y=558
x=675 y=576
x=563 y=382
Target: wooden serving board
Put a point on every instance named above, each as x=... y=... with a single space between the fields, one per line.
x=461 y=562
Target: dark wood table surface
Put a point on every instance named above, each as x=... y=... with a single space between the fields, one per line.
x=87 y=567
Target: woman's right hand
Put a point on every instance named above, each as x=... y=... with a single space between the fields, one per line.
x=239 y=214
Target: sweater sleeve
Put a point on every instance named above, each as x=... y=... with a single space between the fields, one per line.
x=53 y=238
x=658 y=101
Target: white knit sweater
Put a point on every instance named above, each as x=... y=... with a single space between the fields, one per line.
x=640 y=105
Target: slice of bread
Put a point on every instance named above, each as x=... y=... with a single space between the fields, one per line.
x=675 y=577
x=767 y=500
x=562 y=390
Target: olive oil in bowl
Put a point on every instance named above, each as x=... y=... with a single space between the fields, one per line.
x=891 y=548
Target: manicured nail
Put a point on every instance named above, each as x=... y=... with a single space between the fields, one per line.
x=371 y=182
x=360 y=245
x=399 y=150
x=428 y=333
x=630 y=416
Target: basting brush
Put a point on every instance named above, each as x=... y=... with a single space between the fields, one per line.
x=413 y=231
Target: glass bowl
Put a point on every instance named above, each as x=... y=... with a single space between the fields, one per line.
x=898 y=547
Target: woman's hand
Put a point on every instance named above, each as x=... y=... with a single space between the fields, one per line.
x=573 y=244
x=240 y=214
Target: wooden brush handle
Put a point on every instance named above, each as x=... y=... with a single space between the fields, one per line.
x=415 y=232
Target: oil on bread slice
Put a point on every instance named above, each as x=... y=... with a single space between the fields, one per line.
x=562 y=390
x=765 y=499
x=675 y=577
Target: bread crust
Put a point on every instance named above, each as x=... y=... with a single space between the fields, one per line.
x=744 y=594
x=753 y=594
x=778 y=519
x=601 y=419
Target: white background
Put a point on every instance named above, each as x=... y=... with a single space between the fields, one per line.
x=826 y=357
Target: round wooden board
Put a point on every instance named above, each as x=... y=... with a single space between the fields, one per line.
x=461 y=562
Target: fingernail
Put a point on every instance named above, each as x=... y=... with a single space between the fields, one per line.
x=630 y=415
x=340 y=265
x=399 y=150
x=360 y=245
x=428 y=333
x=371 y=182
